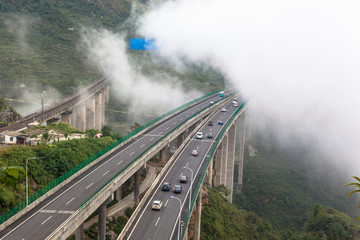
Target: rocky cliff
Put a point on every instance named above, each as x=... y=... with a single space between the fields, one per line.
x=7 y=113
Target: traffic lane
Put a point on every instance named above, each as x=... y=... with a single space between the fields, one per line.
x=130 y=145
x=180 y=162
x=40 y=230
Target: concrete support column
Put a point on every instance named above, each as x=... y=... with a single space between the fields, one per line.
x=103 y=108
x=165 y=153
x=197 y=227
x=137 y=186
x=209 y=177
x=80 y=232
x=81 y=118
x=102 y=221
x=102 y=218
x=90 y=114
x=240 y=151
x=74 y=117
x=66 y=117
x=180 y=139
x=107 y=94
x=98 y=110
x=230 y=162
x=218 y=165
x=224 y=160
x=118 y=193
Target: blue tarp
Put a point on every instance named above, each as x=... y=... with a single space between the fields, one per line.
x=142 y=44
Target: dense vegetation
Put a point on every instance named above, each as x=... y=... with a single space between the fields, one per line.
x=53 y=160
x=222 y=220
x=282 y=184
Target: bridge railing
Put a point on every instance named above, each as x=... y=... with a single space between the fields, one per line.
x=20 y=206
x=163 y=137
x=207 y=164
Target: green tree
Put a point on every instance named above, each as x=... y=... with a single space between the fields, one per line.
x=357 y=185
x=10 y=175
x=106 y=130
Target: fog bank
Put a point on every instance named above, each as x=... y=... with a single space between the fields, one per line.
x=296 y=61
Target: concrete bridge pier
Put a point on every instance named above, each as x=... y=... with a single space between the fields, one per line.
x=180 y=139
x=90 y=114
x=98 y=110
x=217 y=158
x=102 y=219
x=197 y=227
x=118 y=193
x=137 y=186
x=224 y=145
x=165 y=154
x=240 y=146
x=66 y=117
x=79 y=235
x=229 y=183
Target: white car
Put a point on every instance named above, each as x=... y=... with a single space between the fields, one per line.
x=157 y=204
x=199 y=135
x=211 y=102
x=223 y=109
x=235 y=104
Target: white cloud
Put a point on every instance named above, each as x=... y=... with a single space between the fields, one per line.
x=296 y=61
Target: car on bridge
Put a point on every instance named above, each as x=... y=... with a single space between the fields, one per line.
x=211 y=102
x=194 y=152
x=177 y=189
x=220 y=123
x=183 y=179
x=199 y=135
x=157 y=205
x=223 y=109
x=209 y=135
x=211 y=123
x=166 y=186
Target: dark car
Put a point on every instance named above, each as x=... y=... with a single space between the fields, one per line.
x=183 y=179
x=166 y=186
x=220 y=122
x=209 y=135
x=177 y=189
x=211 y=123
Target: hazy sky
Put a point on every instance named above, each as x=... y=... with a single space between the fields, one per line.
x=296 y=61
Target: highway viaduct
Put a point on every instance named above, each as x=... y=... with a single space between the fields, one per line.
x=83 y=110
x=126 y=159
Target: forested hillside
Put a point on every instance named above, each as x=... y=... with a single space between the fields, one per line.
x=41 y=46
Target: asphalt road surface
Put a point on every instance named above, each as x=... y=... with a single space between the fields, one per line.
x=163 y=225
x=46 y=217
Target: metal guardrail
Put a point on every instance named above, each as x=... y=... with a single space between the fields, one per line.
x=207 y=164
x=20 y=206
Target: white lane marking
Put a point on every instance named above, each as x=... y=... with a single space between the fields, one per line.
x=86 y=176
x=106 y=172
x=46 y=220
x=160 y=133
x=197 y=147
x=48 y=211
x=181 y=119
x=181 y=174
x=221 y=116
x=131 y=153
x=70 y=201
x=89 y=185
x=166 y=202
x=175 y=123
x=210 y=129
x=142 y=145
x=157 y=221
x=187 y=164
x=66 y=212
x=119 y=162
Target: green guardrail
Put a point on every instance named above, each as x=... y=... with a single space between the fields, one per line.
x=122 y=170
x=208 y=162
x=20 y=206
